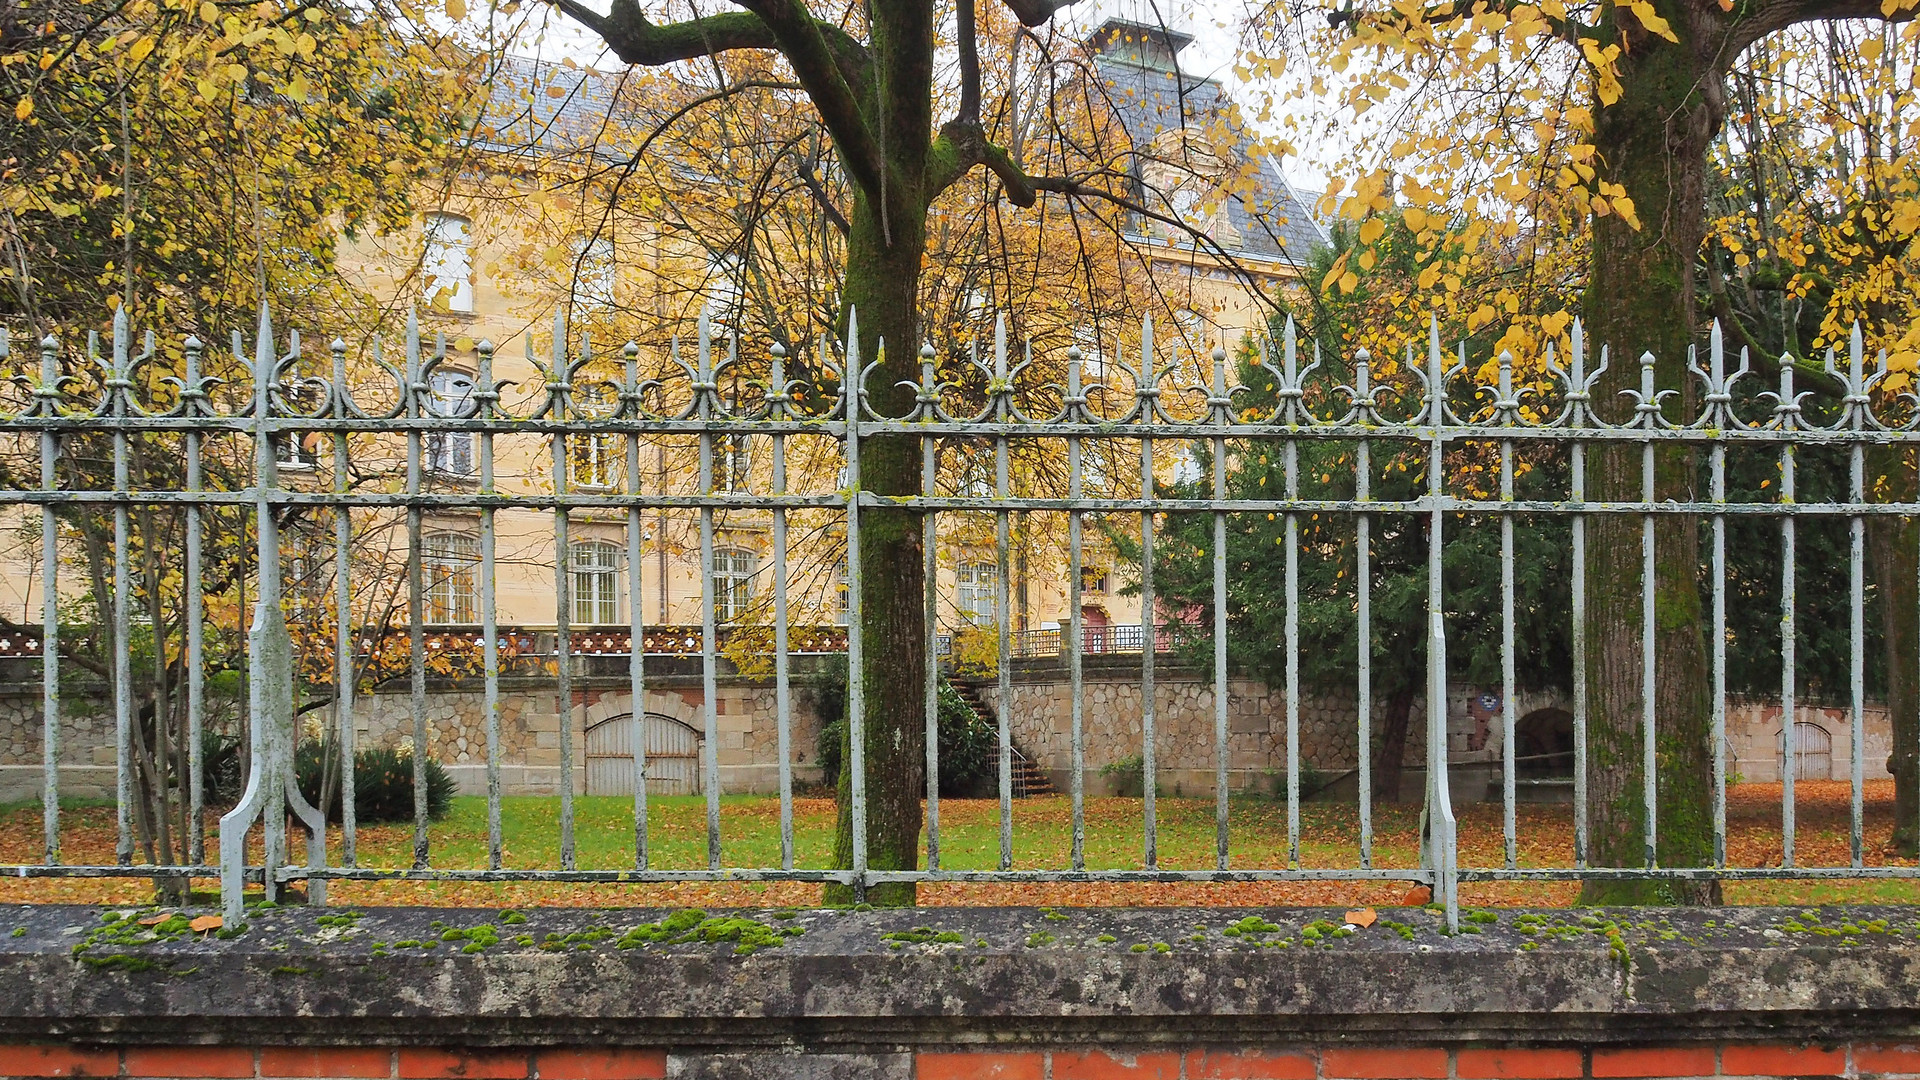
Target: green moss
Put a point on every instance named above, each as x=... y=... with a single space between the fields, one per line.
x=921 y=935
x=1039 y=938
x=691 y=925
x=511 y=918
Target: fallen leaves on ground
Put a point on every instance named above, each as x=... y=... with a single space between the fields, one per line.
x=1042 y=827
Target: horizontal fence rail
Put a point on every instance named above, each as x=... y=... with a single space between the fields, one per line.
x=93 y=420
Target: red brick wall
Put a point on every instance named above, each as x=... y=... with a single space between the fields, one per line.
x=1752 y=1060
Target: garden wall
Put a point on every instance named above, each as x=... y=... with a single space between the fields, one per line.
x=1040 y=719
x=987 y=993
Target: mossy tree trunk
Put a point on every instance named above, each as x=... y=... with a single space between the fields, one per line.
x=1652 y=141
x=883 y=288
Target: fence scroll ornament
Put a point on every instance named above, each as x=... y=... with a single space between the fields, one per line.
x=275 y=397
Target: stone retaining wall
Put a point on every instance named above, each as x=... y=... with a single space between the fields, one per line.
x=988 y=993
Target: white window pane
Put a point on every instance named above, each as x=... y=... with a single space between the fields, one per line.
x=594 y=272
x=447 y=269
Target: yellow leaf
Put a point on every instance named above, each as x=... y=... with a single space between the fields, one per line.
x=1349 y=281
x=1415 y=218
x=1371 y=230
x=1870 y=48
x=456 y=9
x=209 y=13
x=1623 y=206
x=24 y=109
x=1366 y=260
x=1651 y=19
x=140 y=51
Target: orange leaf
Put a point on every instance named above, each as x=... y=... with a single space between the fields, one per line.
x=1418 y=896
x=205 y=923
x=1362 y=918
x=156 y=920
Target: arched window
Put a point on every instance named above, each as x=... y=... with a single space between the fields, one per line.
x=596 y=582
x=733 y=570
x=447 y=562
x=450 y=452
x=446 y=271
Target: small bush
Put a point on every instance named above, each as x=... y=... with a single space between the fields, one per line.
x=1128 y=776
x=382 y=783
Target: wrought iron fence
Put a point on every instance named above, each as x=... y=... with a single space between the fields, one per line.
x=293 y=396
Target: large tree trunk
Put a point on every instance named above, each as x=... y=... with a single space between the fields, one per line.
x=1653 y=141
x=883 y=289
x=1893 y=551
x=886 y=242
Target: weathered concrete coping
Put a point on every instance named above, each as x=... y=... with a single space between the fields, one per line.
x=987 y=975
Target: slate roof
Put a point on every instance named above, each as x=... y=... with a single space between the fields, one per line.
x=1151 y=99
x=546 y=108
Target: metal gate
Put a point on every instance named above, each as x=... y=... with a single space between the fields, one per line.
x=672 y=755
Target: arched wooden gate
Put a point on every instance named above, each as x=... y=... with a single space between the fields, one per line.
x=672 y=755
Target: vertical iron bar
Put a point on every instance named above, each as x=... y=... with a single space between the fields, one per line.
x=49 y=394
x=1789 y=409
x=853 y=395
x=1442 y=854
x=1290 y=478
x=417 y=391
x=709 y=634
x=1363 y=591
x=1002 y=593
x=930 y=574
x=1076 y=623
x=782 y=701
x=1577 y=467
x=1147 y=390
x=1717 y=463
x=636 y=618
x=563 y=585
x=488 y=395
x=1508 y=409
x=122 y=599
x=1077 y=731
x=1222 y=416
x=1856 y=557
x=343 y=723
x=1650 y=406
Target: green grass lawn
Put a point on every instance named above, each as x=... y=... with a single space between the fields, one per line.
x=969 y=839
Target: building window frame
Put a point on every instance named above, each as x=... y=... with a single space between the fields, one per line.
x=595 y=566
x=734 y=569
x=449 y=563
x=975 y=587
x=446 y=264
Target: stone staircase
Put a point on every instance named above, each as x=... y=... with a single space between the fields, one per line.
x=1028 y=777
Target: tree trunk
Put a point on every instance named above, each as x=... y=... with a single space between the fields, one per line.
x=1390 y=758
x=1653 y=142
x=1893 y=550
x=883 y=285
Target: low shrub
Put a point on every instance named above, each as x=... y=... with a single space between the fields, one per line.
x=382 y=782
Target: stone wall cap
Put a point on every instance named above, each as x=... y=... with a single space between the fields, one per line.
x=904 y=977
